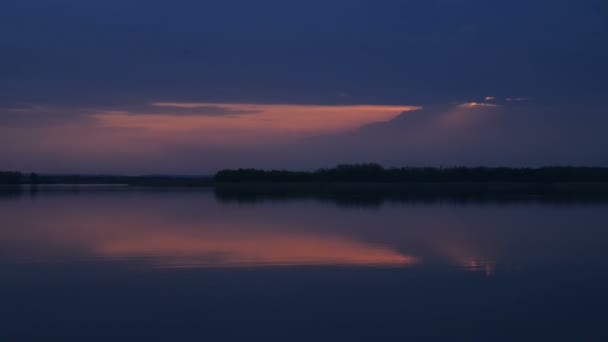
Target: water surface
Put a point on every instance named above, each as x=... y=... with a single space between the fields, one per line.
x=122 y=264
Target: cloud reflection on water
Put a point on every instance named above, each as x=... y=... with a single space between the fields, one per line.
x=75 y=233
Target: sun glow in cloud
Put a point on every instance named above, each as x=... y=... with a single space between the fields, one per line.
x=478 y=104
x=465 y=116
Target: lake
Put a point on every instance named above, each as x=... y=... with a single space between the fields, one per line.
x=126 y=264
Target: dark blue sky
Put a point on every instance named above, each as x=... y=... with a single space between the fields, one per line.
x=65 y=55
x=316 y=51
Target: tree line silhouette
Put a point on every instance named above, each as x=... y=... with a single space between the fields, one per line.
x=369 y=172
x=346 y=173
x=7 y=177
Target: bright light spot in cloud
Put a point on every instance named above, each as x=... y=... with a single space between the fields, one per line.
x=489 y=98
x=477 y=104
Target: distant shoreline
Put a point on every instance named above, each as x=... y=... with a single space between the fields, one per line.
x=337 y=185
x=355 y=175
x=600 y=188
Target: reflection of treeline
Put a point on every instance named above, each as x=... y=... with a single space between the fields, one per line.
x=376 y=173
x=375 y=195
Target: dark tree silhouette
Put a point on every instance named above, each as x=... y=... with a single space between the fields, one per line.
x=376 y=173
x=10 y=177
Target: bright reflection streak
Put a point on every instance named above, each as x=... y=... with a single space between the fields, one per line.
x=252 y=250
x=162 y=241
x=488 y=267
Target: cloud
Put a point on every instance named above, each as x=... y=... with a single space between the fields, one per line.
x=267 y=120
x=41 y=115
x=452 y=135
x=517 y=99
x=132 y=139
x=308 y=137
x=478 y=104
x=171 y=108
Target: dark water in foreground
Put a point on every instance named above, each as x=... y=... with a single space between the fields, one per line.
x=115 y=264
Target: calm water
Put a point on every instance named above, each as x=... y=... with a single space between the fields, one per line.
x=113 y=264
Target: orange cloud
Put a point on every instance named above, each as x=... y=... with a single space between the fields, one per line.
x=250 y=120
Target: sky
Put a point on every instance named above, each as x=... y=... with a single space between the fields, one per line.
x=191 y=87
